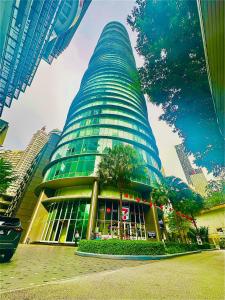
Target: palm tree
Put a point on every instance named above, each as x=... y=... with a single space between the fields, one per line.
x=118 y=167
x=6 y=175
x=203 y=232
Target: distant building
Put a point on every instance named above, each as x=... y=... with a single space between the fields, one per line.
x=32 y=30
x=195 y=177
x=199 y=182
x=13 y=157
x=184 y=161
x=211 y=14
x=25 y=200
x=3 y=130
x=37 y=142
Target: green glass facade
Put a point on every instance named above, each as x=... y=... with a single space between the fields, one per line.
x=109 y=109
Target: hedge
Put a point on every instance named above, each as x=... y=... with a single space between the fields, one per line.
x=121 y=247
x=128 y=247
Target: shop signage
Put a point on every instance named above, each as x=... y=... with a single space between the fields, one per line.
x=125 y=213
x=199 y=241
x=151 y=234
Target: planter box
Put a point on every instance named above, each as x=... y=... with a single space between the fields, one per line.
x=135 y=257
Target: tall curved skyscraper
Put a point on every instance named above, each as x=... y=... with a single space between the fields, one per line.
x=108 y=110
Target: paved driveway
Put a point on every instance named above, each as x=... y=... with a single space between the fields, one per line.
x=39 y=264
x=43 y=272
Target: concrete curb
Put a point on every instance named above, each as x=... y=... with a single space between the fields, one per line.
x=209 y=249
x=135 y=257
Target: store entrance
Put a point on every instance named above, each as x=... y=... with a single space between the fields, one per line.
x=108 y=220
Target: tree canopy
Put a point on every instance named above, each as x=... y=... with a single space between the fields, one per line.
x=215 y=193
x=174 y=75
x=179 y=194
x=6 y=175
x=119 y=165
x=182 y=197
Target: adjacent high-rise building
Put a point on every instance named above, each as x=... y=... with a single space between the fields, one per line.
x=108 y=110
x=195 y=177
x=3 y=131
x=211 y=15
x=25 y=200
x=65 y=26
x=32 y=30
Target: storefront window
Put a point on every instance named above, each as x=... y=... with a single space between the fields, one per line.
x=108 y=220
x=64 y=219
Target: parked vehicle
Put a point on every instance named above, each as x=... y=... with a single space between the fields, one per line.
x=10 y=233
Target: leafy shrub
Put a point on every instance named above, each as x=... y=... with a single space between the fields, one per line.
x=222 y=244
x=120 y=247
x=175 y=247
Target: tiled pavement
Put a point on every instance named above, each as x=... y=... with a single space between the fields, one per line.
x=39 y=264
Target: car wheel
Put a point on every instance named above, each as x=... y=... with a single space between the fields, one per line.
x=6 y=255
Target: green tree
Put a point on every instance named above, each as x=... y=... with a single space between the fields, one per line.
x=215 y=192
x=177 y=225
x=6 y=175
x=182 y=198
x=174 y=75
x=174 y=191
x=118 y=167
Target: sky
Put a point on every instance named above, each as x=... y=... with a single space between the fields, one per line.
x=47 y=100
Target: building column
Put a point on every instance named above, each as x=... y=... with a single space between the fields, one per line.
x=156 y=222
x=152 y=223
x=41 y=197
x=93 y=210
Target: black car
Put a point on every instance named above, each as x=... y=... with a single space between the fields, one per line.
x=10 y=233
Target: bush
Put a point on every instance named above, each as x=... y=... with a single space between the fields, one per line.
x=120 y=247
x=222 y=244
x=175 y=247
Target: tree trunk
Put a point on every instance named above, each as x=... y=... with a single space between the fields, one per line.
x=196 y=227
x=195 y=224
x=178 y=228
x=121 y=220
